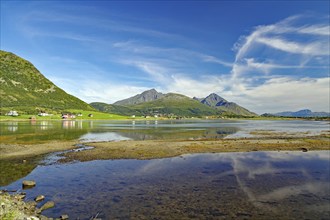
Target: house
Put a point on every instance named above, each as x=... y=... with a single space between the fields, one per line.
x=79 y=115
x=90 y=115
x=12 y=113
x=43 y=114
x=68 y=115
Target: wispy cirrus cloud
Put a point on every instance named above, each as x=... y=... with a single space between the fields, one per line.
x=314 y=48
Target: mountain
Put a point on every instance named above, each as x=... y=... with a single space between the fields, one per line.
x=152 y=103
x=24 y=88
x=217 y=102
x=300 y=113
x=176 y=104
x=170 y=105
x=146 y=96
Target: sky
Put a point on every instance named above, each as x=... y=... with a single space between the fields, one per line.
x=268 y=56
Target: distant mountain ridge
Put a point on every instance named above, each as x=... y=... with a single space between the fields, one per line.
x=146 y=96
x=24 y=88
x=300 y=113
x=215 y=101
x=152 y=102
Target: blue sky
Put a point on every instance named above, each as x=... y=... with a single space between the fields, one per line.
x=267 y=56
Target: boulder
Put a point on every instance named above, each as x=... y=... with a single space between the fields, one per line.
x=64 y=217
x=28 y=184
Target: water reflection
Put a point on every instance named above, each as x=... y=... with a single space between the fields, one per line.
x=257 y=185
x=44 y=125
x=104 y=136
x=12 y=126
x=151 y=129
x=68 y=124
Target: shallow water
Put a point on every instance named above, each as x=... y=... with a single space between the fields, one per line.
x=91 y=131
x=255 y=185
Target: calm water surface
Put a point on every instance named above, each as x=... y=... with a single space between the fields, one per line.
x=89 y=131
x=255 y=185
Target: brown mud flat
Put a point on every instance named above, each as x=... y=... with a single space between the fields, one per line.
x=152 y=149
x=163 y=149
x=24 y=151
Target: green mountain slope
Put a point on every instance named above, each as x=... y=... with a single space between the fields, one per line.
x=115 y=109
x=176 y=104
x=23 y=87
x=170 y=104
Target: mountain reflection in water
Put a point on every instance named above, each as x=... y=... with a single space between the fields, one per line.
x=23 y=132
x=256 y=185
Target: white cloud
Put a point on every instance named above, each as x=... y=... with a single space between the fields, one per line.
x=256 y=54
x=316 y=30
x=315 y=48
x=96 y=91
x=280 y=94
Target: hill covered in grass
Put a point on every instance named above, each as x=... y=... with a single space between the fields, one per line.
x=168 y=105
x=176 y=104
x=151 y=102
x=24 y=88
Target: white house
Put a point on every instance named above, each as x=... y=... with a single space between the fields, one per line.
x=43 y=114
x=12 y=113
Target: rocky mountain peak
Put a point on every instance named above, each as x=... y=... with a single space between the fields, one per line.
x=213 y=100
x=146 y=96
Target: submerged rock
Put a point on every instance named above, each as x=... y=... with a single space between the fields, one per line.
x=47 y=205
x=39 y=198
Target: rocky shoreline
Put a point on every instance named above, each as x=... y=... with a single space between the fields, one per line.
x=13 y=206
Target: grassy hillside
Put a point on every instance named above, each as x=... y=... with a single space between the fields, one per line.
x=25 y=89
x=236 y=109
x=176 y=104
x=115 y=109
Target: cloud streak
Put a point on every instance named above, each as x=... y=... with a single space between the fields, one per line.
x=315 y=48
